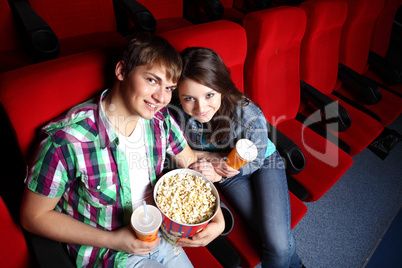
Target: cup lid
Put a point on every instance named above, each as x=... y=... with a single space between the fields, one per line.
x=142 y=225
x=246 y=149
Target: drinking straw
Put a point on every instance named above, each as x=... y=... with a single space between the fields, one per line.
x=145 y=209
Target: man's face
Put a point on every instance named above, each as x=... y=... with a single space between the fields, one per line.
x=146 y=90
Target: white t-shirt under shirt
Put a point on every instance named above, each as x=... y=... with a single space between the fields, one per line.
x=135 y=151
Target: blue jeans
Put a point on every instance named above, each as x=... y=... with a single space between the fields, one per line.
x=262 y=199
x=164 y=255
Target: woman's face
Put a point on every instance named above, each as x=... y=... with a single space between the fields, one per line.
x=199 y=101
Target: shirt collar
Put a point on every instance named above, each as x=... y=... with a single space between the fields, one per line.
x=106 y=132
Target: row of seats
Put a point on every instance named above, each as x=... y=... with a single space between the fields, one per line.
x=284 y=58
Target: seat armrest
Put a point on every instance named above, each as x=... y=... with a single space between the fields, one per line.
x=141 y=17
x=319 y=129
x=368 y=91
x=229 y=219
x=262 y=4
x=39 y=39
x=212 y=8
x=385 y=69
x=290 y=152
x=330 y=109
x=48 y=253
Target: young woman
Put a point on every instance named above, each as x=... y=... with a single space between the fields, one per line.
x=216 y=115
x=98 y=162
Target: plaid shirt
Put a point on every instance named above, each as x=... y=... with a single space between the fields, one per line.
x=80 y=162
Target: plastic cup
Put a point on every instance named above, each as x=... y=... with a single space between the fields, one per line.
x=245 y=151
x=172 y=230
x=146 y=229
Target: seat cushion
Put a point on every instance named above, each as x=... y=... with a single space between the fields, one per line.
x=388 y=109
x=362 y=131
x=325 y=162
x=200 y=257
x=246 y=241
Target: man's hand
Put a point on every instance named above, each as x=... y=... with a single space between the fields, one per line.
x=124 y=239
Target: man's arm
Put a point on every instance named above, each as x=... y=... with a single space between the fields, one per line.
x=39 y=217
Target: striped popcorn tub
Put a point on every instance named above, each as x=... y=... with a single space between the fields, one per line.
x=195 y=198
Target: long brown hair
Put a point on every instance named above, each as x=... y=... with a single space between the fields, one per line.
x=206 y=67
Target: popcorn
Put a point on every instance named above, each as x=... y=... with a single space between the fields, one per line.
x=186 y=198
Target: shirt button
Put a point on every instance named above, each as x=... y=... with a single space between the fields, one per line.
x=98 y=187
x=128 y=202
x=125 y=180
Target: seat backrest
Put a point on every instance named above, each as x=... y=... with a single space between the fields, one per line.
x=227 y=38
x=320 y=45
x=162 y=9
x=76 y=17
x=272 y=65
x=227 y=3
x=33 y=95
x=383 y=27
x=357 y=32
x=14 y=249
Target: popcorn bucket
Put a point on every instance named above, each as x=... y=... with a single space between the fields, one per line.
x=173 y=229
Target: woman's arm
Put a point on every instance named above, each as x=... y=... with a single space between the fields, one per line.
x=221 y=169
x=188 y=158
x=38 y=216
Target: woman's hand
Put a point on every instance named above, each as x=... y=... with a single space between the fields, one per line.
x=223 y=169
x=209 y=233
x=124 y=239
x=206 y=169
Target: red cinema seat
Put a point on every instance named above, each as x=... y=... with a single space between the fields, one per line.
x=233 y=11
x=246 y=241
x=228 y=39
x=45 y=90
x=14 y=249
x=272 y=79
x=319 y=69
x=383 y=27
x=353 y=54
x=12 y=54
x=71 y=26
x=384 y=66
x=168 y=14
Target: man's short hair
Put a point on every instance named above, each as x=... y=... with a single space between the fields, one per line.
x=149 y=49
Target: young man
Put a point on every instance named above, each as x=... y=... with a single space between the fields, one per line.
x=98 y=163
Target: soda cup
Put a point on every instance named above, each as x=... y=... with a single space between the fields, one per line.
x=146 y=225
x=245 y=151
